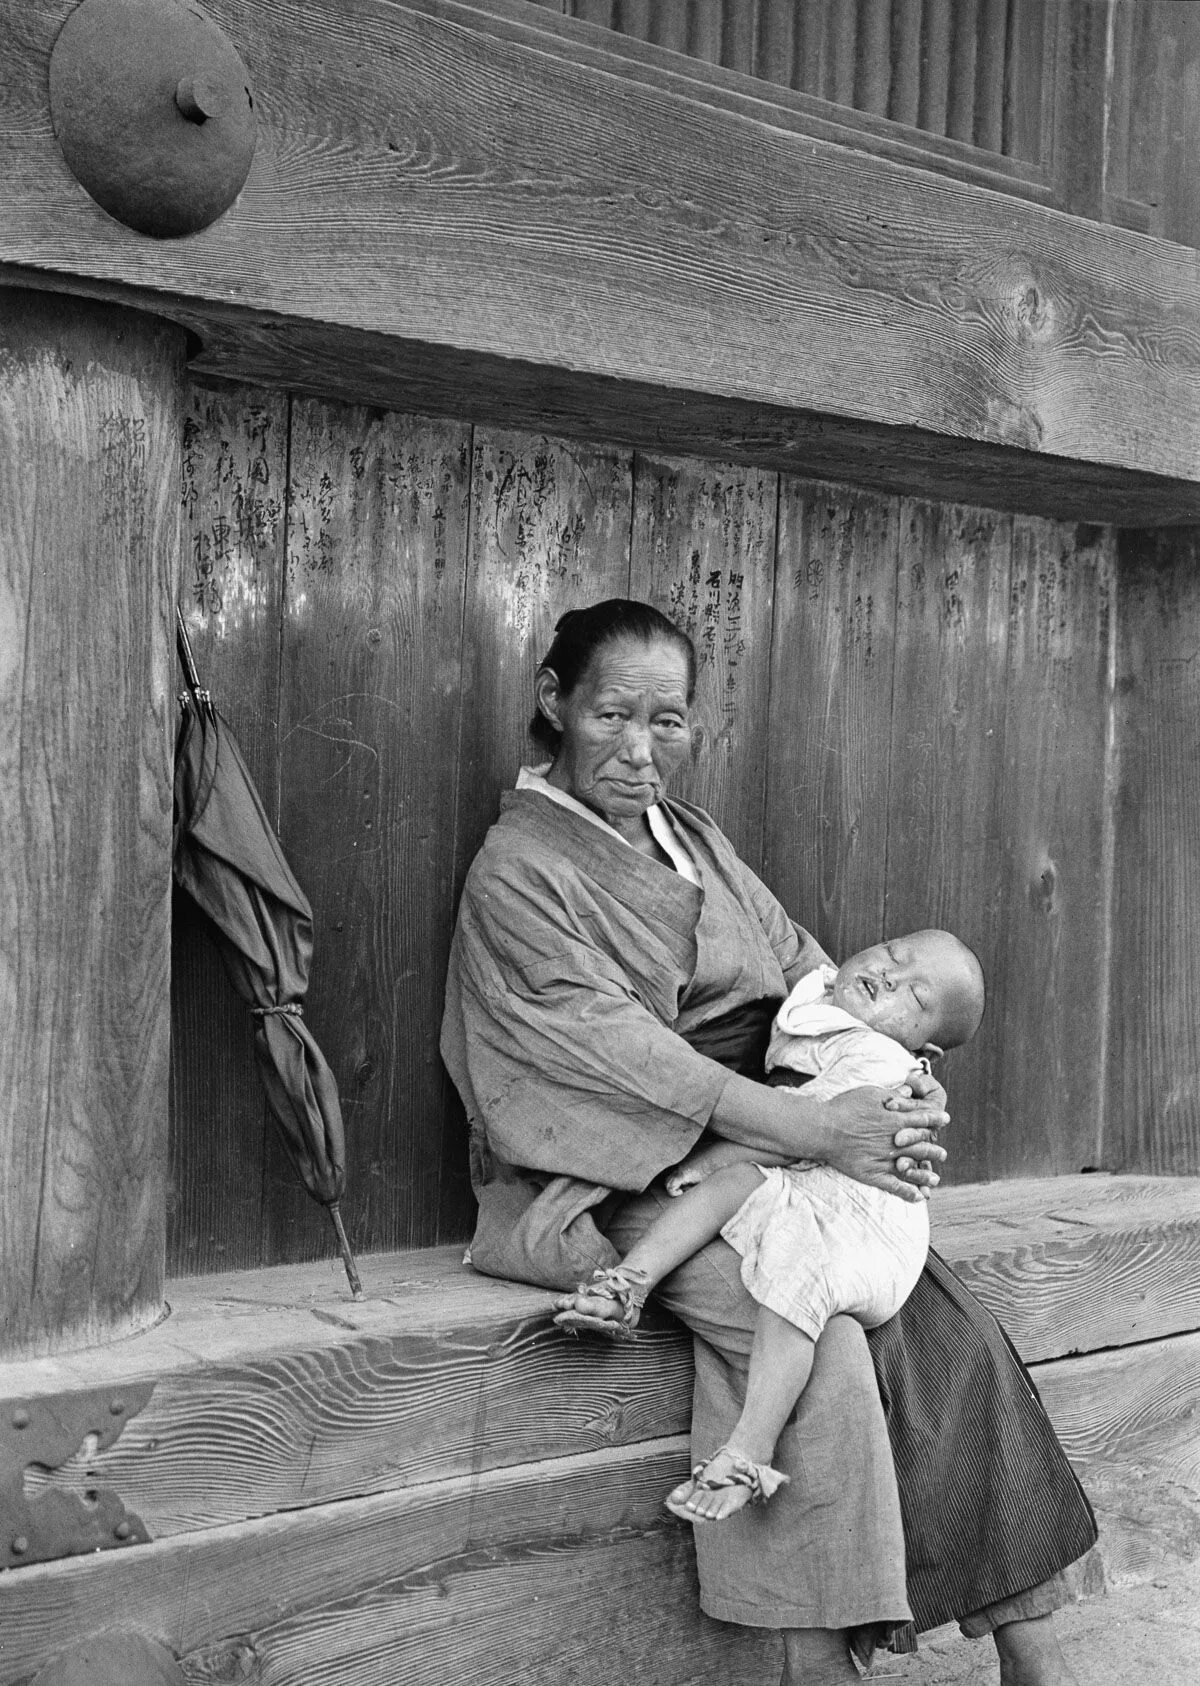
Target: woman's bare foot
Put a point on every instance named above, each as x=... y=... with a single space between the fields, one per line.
x=722 y=1486
x=1030 y=1654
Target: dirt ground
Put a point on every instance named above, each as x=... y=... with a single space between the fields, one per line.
x=1129 y=1636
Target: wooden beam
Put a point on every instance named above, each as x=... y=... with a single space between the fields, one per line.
x=539 y=1575
x=1077 y=1263
x=271 y=1391
x=446 y=207
x=539 y=1571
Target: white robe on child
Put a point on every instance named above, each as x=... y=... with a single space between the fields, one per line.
x=813 y=1241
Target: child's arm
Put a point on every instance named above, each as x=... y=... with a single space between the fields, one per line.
x=714 y=1156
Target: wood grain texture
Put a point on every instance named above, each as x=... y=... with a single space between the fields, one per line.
x=1077 y=1263
x=703 y=551
x=945 y=848
x=234 y=479
x=369 y=722
x=503 y=1574
x=831 y=700
x=359 y=367
x=90 y=424
x=540 y=1574
x=1153 y=1075
x=549 y=532
x=1054 y=916
x=552 y=229
x=272 y=1392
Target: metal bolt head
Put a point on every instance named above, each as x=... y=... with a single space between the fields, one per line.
x=20 y=1546
x=200 y=97
x=116 y=1407
x=151 y=105
x=20 y=1417
x=122 y=1530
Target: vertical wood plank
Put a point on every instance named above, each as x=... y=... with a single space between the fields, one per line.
x=1153 y=1111
x=874 y=52
x=704 y=30
x=945 y=848
x=90 y=417
x=599 y=12
x=369 y=725
x=549 y=531
x=904 y=99
x=831 y=700
x=633 y=18
x=812 y=33
x=703 y=552
x=1080 y=100
x=668 y=27
x=235 y=442
x=841 y=51
x=1118 y=93
x=1029 y=80
x=739 y=31
x=990 y=68
x=964 y=43
x=775 y=56
x=1054 y=948
x=1170 y=140
x=935 y=67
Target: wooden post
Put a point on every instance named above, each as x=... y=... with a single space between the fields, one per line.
x=90 y=430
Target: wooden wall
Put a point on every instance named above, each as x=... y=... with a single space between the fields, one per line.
x=903 y=719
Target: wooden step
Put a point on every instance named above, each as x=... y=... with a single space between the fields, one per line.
x=271 y=1390
x=356 y=1492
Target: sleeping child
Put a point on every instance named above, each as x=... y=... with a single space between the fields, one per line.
x=813 y=1241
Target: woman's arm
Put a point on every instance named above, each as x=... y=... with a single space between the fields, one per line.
x=854 y=1132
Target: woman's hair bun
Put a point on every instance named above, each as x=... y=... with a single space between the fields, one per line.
x=580 y=633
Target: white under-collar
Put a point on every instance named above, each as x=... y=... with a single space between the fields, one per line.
x=661 y=824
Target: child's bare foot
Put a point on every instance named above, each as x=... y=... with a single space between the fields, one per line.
x=611 y=1303
x=722 y=1486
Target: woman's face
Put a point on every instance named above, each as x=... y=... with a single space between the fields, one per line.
x=624 y=727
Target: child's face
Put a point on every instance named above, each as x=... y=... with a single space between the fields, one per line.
x=903 y=987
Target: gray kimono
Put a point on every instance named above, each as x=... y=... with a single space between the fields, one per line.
x=575 y=962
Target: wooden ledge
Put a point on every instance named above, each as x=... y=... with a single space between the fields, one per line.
x=444 y=212
x=273 y=1391
x=436 y=1480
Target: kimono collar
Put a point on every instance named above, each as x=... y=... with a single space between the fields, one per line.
x=661 y=824
x=650 y=890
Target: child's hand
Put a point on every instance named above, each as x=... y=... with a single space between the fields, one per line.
x=687 y=1174
x=701 y=1163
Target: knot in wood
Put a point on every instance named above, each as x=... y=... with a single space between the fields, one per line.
x=1033 y=311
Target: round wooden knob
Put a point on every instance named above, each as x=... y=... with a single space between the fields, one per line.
x=153 y=109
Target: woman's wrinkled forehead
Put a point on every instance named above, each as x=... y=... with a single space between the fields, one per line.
x=625 y=663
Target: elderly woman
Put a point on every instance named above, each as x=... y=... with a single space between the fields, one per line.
x=612 y=981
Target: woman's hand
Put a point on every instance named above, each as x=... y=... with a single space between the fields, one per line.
x=857 y=1132
x=864 y=1143
x=922 y=1091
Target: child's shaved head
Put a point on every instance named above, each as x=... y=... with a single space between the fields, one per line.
x=925 y=989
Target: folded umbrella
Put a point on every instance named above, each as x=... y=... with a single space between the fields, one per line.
x=229 y=860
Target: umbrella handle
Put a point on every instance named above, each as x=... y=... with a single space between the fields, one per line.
x=352 y=1275
x=201 y=698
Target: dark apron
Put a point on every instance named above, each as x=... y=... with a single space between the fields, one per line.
x=990 y=1504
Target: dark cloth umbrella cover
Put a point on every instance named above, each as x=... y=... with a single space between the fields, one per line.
x=229 y=860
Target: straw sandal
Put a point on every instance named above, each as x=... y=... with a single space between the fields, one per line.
x=756 y=1481
x=625 y=1288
